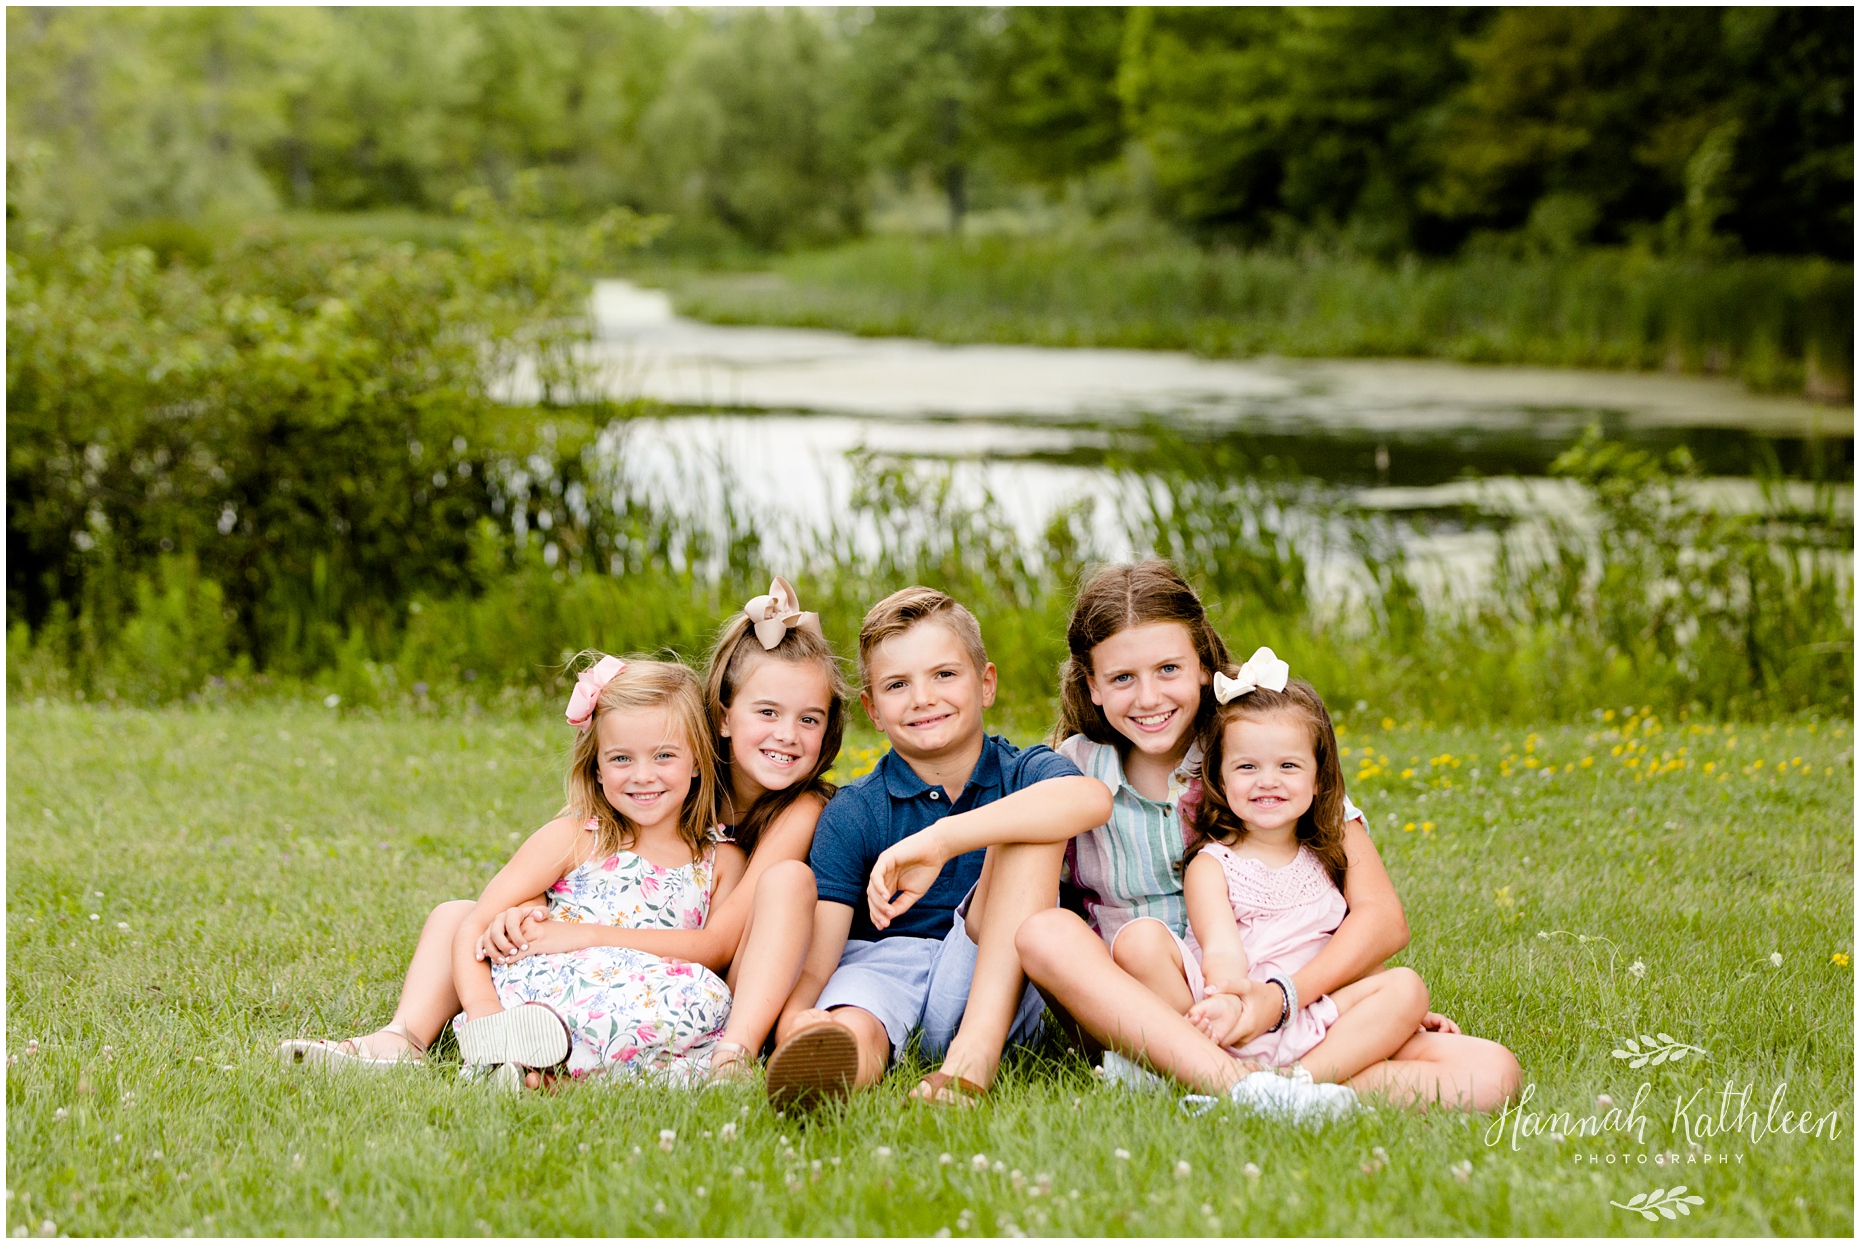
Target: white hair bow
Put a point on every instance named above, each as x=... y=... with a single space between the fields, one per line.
x=1262 y=669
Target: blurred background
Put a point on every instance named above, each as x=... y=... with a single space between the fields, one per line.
x=1484 y=362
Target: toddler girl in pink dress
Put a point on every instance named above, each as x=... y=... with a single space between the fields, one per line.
x=1263 y=884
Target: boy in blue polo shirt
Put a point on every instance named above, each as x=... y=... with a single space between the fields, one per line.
x=925 y=869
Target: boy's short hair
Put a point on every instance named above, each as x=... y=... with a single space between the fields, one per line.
x=905 y=608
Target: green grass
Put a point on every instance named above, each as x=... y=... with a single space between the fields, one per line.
x=1777 y=324
x=273 y=863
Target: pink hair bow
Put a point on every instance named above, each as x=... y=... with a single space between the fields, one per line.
x=589 y=684
x=775 y=614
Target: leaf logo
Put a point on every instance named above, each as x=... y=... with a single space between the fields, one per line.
x=1661 y=1203
x=1656 y=1049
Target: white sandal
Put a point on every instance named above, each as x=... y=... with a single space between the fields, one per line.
x=531 y=1035
x=346 y=1054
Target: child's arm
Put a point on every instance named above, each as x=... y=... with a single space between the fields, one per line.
x=1049 y=811
x=1235 y=1009
x=560 y=937
x=715 y=944
x=538 y=864
x=1374 y=929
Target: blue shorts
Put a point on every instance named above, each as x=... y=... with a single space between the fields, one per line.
x=911 y=983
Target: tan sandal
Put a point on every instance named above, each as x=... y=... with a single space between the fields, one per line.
x=947 y=1089
x=814 y=1066
x=738 y=1068
x=351 y=1053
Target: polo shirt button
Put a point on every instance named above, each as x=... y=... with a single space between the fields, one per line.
x=933 y=794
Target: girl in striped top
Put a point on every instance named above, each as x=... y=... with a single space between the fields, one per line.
x=1136 y=691
x=1134 y=698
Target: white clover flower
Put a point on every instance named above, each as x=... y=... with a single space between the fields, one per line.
x=122 y=926
x=1462 y=1170
x=60 y=1115
x=882 y=1152
x=727 y=1132
x=944 y=1160
x=1637 y=969
x=1122 y=1155
x=1250 y=1171
x=1776 y=958
x=1183 y=1170
x=1604 y=1101
x=668 y=1139
x=979 y=1163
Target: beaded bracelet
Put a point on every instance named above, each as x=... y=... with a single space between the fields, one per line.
x=1286 y=987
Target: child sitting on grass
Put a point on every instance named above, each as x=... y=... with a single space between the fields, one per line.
x=636 y=847
x=1137 y=698
x=1263 y=890
x=955 y=830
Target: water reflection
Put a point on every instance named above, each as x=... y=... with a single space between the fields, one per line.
x=777 y=417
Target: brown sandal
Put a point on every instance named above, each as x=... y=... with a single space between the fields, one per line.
x=947 y=1089
x=815 y=1065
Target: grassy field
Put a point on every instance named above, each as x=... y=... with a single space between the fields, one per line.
x=1777 y=324
x=187 y=887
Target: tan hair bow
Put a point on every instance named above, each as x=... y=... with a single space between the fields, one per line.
x=775 y=614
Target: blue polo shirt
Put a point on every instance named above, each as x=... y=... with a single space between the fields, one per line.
x=891 y=803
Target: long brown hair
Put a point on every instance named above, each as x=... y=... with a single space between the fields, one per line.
x=641 y=687
x=1113 y=599
x=1321 y=827
x=732 y=659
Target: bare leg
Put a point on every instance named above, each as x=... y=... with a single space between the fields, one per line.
x=874 y=1042
x=427 y=999
x=1069 y=962
x=1376 y=1016
x=1451 y=1069
x=1018 y=880
x=1149 y=952
x=769 y=957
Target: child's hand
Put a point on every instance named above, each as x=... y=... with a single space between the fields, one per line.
x=507 y=937
x=905 y=869
x=1434 y=1021
x=553 y=937
x=1220 y=1017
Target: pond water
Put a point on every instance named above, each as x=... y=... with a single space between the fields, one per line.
x=778 y=411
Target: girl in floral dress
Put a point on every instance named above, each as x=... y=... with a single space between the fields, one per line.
x=636 y=848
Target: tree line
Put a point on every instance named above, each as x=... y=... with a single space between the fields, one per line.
x=1379 y=131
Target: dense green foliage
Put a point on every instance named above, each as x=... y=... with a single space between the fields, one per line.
x=260 y=873
x=1779 y=324
x=1378 y=130
x=303 y=426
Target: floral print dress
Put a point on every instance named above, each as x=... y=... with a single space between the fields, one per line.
x=628 y=1012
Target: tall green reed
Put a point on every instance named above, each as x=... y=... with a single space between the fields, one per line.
x=1660 y=595
x=1776 y=324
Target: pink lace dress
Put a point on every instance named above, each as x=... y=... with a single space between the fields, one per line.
x=1286 y=915
x=628 y=1012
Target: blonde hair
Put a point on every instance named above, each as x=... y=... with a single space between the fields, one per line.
x=641 y=687
x=905 y=608
x=732 y=660
x=1321 y=826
